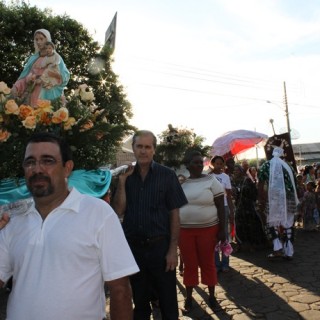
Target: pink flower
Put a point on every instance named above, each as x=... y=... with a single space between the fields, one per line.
x=224 y=247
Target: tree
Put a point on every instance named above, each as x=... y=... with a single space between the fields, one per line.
x=88 y=63
x=174 y=143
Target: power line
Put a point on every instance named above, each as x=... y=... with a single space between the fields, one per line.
x=263 y=100
x=207 y=72
x=202 y=91
x=217 y=77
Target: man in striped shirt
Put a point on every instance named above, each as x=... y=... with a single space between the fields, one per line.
x=148 y=197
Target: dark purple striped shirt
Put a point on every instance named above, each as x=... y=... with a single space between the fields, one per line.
x=149 y=202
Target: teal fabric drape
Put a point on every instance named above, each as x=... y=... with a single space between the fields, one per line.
x=13 y=190
x=93 y=182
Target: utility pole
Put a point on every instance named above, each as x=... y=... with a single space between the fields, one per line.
x=285 y=102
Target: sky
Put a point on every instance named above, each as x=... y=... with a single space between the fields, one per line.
x=212 y=65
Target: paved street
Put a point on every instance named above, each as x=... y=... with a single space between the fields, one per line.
x=259 y=289
x=256 y=288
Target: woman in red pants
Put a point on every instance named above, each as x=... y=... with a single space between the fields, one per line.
x=202 y=226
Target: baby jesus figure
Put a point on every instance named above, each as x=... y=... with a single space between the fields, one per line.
x=51 y=75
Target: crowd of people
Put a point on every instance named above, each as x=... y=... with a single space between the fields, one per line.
x=68 y=247
x=308 y=189
x=129 y=242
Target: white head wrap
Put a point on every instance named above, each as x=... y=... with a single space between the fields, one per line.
x=46 y=33
x=277 y=191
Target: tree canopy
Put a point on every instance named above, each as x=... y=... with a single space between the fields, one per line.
x=88 y=63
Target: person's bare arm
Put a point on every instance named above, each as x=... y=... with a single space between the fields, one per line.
x=119 y=202
x=4 y=220
x=120 y=299
x=230 y=204
x=172 y=255
x=219 y=202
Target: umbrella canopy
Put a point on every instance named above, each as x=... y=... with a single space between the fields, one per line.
x=234 y=142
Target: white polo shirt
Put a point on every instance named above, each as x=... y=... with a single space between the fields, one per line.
x=59 y=265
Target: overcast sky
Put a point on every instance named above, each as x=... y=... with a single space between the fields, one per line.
x=212 y=65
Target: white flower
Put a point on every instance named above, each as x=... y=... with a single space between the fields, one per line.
x=86 y=95
x=4 y=88
x=3 y=98
x=83 y=87
x=93 y=107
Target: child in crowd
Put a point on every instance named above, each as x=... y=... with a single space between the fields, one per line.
x=309 y=207
x=218 y=166
x=309 y=174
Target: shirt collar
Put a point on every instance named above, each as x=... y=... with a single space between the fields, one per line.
x=152 y=166
x=71 y=202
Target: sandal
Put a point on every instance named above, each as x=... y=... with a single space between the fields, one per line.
x=214 y=305
x=275 y=255
x=188 y=305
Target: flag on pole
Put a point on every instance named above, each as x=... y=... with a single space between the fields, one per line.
x=110 y=38
x=285 y=141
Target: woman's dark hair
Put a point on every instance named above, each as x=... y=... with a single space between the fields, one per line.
x=251 y=168
x=230 y=162
x=307 y=170
x=188 y=156
x=312 y=184
x=65 y=150
x=238 y=166
x=213 y=160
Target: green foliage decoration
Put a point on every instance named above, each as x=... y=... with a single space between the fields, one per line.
x=175 y=142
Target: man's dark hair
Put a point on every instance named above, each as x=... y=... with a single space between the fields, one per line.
x=144 y=133
x=65 y=150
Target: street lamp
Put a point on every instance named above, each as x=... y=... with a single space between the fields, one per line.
x=271 y=121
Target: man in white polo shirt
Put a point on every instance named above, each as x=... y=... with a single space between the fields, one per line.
x=64 y=249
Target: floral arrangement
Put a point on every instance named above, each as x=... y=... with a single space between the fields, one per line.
x=84 y=125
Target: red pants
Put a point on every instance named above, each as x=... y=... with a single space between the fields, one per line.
x=197 y=250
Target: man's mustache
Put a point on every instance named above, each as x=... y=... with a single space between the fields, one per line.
x=38 y=177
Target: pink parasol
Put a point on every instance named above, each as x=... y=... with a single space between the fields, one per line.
x=234 y=142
